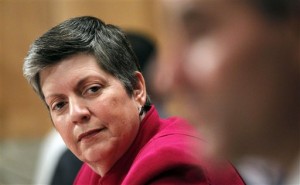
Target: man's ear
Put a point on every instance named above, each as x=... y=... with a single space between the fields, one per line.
x=139 y=92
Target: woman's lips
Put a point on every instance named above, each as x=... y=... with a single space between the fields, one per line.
x=88 y=134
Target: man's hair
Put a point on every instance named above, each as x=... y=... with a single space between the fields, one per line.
x=277 y=9
x=86 y=35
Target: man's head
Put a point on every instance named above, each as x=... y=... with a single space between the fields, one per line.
x=236 y=66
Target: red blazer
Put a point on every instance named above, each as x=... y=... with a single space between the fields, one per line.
x=164 y=152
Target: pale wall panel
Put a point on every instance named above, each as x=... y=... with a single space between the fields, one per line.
x=22 y=113
x=128 y=14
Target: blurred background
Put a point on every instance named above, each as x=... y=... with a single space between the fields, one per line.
x=24 y=121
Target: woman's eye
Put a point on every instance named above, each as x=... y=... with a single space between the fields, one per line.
x=58 y=106
x=92 y=90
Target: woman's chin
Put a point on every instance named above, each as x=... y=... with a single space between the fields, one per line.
x=90 y=156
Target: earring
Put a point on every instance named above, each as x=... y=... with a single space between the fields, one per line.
x=141 y=111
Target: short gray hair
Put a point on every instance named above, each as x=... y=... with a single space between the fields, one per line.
x=88 y=35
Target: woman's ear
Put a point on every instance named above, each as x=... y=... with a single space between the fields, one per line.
x=139 y=92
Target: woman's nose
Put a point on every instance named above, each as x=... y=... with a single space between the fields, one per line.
x=79 y=112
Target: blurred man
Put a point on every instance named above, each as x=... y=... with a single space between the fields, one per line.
x=235 y=66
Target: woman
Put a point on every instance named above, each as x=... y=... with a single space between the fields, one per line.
x=87 y=74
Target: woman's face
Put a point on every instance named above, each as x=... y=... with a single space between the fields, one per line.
x=91 y=110
x=235 y=70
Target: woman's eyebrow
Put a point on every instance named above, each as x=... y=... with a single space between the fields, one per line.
x=87 y=78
